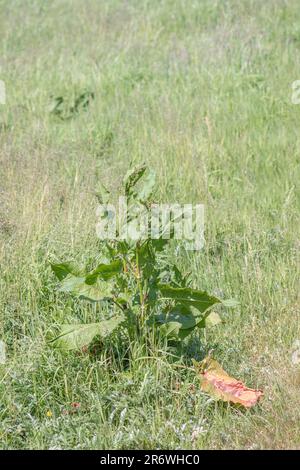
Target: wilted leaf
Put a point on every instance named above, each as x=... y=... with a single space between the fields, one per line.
x=77 y=336
x=159 y=244
x=177 y=278
x=216 y=382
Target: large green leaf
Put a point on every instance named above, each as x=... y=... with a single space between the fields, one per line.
x=61 y=270
x=78 y=286
x=76 y=336
x=185 y=316
x=181 y=320
x=192 y=309
x=92 y=286
x=104 y=271
x=201 y=300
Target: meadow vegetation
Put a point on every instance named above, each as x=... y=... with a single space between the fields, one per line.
x=200 y=91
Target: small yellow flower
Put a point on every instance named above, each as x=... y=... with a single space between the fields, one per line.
x=49 y=414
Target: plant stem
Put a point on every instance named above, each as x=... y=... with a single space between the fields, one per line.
x=140 y=287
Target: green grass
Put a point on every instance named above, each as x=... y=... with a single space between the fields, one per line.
x=201 y=91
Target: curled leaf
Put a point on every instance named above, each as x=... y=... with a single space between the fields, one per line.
x=216 y=382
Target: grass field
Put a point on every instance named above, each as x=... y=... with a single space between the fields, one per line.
x=201 y=91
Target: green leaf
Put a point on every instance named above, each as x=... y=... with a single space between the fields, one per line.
x=199 y=299
x=147 y=186
x=184 y=333
x=170 y=329
x=61 y=270
x=182 y=315
x=76 y=336
x=78 y=286
x=172 y=276
x=104 y=271
x=181 y=321
x=91 y=286
x=132 y=177
x=178 y=278
x=210 y=320
x=146 y=259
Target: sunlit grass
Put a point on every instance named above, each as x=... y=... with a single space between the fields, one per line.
x=202 y=92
